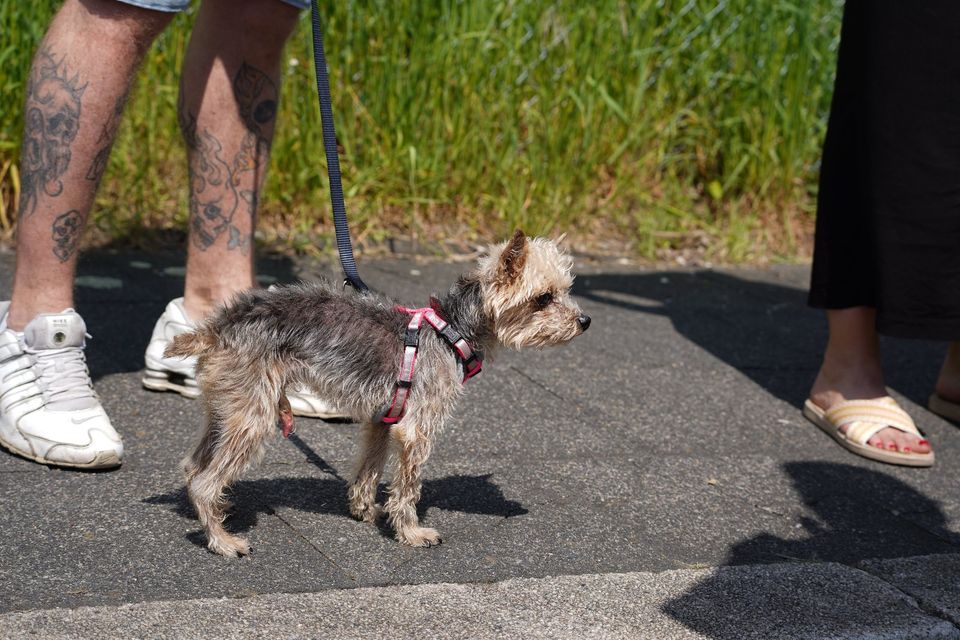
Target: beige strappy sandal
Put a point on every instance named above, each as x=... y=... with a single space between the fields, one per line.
x=866 y=418
x=945 y=408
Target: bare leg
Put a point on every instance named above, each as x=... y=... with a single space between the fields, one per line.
x=73 y=107
x=948 y=383
x=852 y=370
x=228 y=101
x=362 y=493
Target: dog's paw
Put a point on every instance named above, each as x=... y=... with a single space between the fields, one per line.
x=229 y=546
x=419 y=537
x=366 y=512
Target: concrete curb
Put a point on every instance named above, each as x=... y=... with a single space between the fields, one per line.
x=819 y=601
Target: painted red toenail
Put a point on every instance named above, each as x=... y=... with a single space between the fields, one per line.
x=923 y=442
x=906 y=449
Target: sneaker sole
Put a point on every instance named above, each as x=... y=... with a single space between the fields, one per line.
x=103 y=461
x=166 y=381
x=323 y=415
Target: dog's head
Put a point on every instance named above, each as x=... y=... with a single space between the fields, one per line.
x=526 y=293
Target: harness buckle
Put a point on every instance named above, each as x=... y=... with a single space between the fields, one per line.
x=449 y=334
x=412 y=337
x=472 y=366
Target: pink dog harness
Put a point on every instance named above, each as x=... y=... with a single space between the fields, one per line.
x=471 y=359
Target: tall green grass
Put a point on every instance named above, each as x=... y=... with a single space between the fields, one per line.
x=661 y=124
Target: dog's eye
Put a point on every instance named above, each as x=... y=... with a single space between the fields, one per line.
x=543 y=300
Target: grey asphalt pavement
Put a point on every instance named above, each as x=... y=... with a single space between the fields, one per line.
x=653 y=479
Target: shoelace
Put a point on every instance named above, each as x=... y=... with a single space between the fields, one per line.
x=63 y=374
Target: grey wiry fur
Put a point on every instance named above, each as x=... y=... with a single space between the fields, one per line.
x=347 y=347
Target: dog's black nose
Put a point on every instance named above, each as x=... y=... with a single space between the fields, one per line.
x=584 y=321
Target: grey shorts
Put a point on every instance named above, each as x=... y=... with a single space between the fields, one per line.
x=172 y=6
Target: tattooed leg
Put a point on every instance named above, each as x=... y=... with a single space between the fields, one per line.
x=71 y=112
x=228 y=103
x=105 y=141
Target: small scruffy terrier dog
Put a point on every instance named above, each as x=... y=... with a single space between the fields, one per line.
x=351 y=346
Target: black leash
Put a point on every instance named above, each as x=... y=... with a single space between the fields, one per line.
x=333 y=160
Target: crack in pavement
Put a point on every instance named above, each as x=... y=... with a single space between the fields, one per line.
x=309 y=542
x=929 y=608
x=544 y=386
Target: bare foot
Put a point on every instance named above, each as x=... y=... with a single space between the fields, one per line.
x=851 y=370
x=825 y=396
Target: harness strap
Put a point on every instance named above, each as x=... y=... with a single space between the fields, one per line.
x=401 y=390
x=472 y=360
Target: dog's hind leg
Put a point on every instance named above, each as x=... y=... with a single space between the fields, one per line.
x=199 y=458
x=235 y=444
x=241 y=417
x=362 y=493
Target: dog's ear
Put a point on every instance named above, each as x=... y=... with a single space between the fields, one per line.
x=513 y=258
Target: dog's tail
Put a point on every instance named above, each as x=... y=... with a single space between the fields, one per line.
x=193 y=343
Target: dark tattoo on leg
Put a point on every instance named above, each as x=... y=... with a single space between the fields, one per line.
x=215 y=193
x=236 y=241
x=256 y=96
x=105 y=141
x=51 y=122
x=67 y=228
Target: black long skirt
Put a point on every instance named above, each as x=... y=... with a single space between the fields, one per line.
x=888 y=219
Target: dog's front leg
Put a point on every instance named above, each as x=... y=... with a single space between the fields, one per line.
x=401 y=507
x=362 y=494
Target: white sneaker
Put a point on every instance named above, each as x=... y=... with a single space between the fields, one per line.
x=178 y=374
x=170 y=374
x=307 y=404
x=49 y=411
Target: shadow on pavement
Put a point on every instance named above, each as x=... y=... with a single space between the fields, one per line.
x=849 y=514
x=763 y=329
x=466 y=494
